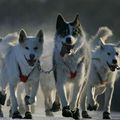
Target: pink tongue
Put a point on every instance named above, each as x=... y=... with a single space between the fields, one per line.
x=73 y=74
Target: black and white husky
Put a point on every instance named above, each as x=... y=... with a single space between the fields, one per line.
x=21 y=64
x=70 y=60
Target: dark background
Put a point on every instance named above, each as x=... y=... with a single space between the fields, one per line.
x=35 y=14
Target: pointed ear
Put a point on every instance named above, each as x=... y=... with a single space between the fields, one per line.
x=76 y=22
x=60 y=21
x=101 y=43
x=22 y=36
x=40 y=36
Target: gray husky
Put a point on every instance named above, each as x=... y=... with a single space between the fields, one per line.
x=71 y=59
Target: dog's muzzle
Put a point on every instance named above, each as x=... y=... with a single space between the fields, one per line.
x=66 y=49
x=31 y=62
x=113 y=66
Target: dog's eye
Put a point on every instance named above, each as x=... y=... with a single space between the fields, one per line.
x=109 y=53
x=26 y=48
x=35 y=48
x=117 y=53
x=76 y=32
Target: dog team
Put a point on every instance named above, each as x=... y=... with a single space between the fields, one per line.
x=82 y=70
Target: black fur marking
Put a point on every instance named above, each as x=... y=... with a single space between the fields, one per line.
x=54 y=71
x=63 y=30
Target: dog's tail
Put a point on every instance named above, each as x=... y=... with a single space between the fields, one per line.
x=103 y=33
x=10 y=38
x=6 y=43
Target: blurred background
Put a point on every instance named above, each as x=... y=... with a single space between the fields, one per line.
x=33 y=15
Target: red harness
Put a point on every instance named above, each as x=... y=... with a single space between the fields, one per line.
x=23 y=78
x=73 y=74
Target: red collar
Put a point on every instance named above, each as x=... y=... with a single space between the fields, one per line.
x=73 y=74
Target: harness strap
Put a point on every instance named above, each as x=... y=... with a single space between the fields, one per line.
x=24 y=78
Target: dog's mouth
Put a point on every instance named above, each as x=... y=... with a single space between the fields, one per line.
x=112 y=67
x=66 y=49
x=31 y=62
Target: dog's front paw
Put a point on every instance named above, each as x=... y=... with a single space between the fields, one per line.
x=106 y=115
x=2 y=98
x=85 y=115
x=16 y=115
x=55 y=107
x=66 y=112
x=76 y=114
x=48 y=113
x=28 y=115
x=94 y=107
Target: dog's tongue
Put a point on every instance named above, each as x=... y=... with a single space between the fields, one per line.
x=65 y=50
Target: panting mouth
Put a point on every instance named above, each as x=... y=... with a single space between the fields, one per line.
x=66 y=49
x=112 y=67
x=31 y=62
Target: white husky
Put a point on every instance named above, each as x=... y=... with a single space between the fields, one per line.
x=70 y=61
x=102 y=76
x=21 y=64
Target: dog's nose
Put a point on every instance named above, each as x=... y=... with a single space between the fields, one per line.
x=68 y=40
x=32 y=56
x=114 y=61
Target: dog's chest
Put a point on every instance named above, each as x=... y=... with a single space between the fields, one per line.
x=72 y=65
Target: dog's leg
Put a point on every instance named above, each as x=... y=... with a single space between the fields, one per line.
x=15 y=112
x=83 y=103
x=56 y=103
x=108 y=99
x=61 y=77
x=1 y=112
x=91 y=98
x=98 y=91
x=28 y=114
x=48 y=103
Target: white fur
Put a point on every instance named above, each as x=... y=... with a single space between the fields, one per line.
x=102 y=54
x=10 y=72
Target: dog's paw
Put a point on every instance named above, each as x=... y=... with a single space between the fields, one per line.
x=106 y=115
x=94 y=107
x=48 y=113
x=85 y=115
x=2 y=98
x=16 y=115
x=76 y=114
x=28 y=115
x=55 y=107
x=66 y=112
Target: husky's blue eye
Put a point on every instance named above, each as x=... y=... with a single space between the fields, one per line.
x=35 y=48
x=26 y=48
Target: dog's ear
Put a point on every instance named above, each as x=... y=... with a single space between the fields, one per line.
x=101 y=43
x=76 y=22
x=40 y=36
x=22 y=36
x=60 y=22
